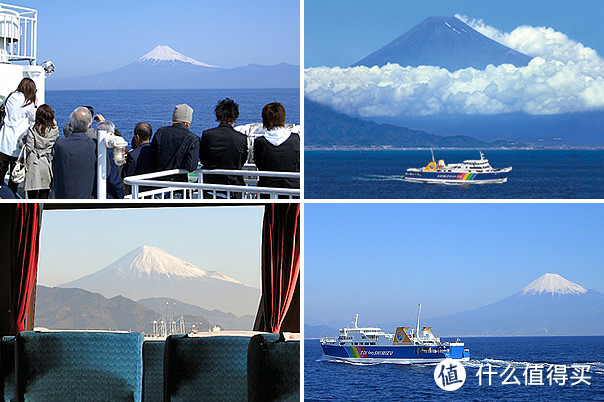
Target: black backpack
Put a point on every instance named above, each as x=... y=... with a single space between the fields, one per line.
x=3 y=109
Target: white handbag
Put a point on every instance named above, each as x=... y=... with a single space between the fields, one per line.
x=18 y=173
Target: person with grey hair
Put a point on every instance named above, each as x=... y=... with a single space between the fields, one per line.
x=91 y=132
x=175 y=146
x=74 y=159
x=105 y=125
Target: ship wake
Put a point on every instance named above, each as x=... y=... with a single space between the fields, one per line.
x=375 y=177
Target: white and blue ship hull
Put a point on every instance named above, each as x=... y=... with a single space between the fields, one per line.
x=402 y=354
x=456 y=178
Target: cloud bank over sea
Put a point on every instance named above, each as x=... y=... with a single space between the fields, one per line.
x=564 y=76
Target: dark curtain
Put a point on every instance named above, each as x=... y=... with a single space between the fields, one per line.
x=280 y=269
x=23 y=262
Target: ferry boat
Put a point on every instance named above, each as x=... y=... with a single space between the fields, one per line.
x=372 y=345
x=469 y=171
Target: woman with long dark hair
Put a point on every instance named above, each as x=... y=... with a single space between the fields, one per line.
x=39 y=140
x=20 y=113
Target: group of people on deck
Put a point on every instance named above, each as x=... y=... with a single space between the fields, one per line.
x=68 y=165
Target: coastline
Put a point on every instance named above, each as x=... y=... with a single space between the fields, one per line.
x=498 y=336
x=388 y=148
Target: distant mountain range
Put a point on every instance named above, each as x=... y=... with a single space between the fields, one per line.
x=58 y=308
x=444 y=42
x=449 y=43
x=165 y=68
x=149 y=272
x=569 y=129
x=325 y=127
x=550 y=305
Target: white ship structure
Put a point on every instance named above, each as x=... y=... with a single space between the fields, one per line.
x=372 y=345
x=475 y=171
x=18 y=50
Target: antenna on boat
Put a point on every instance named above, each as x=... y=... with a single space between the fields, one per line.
x=418 y=313
x=432 y=151
x=355 y=319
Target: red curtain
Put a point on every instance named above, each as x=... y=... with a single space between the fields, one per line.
x=24 y=262
x=280 y=265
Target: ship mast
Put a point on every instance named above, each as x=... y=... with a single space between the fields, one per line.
x=417 y=328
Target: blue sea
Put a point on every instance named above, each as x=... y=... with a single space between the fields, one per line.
x=327 y=379
x=126 y=108
x=379 y=174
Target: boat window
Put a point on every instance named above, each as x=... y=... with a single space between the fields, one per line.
x=169 y=240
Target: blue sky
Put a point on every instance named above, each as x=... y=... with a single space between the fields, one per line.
x=75 y=243
x=83 y=38
x=380 y=260
x=341 y=32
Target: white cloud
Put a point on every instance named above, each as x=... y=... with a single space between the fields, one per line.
x=563 y=77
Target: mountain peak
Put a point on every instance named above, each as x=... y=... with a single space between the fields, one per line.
x=445 y=42
x=162 y=53
x=554 y=284
x=149 y=260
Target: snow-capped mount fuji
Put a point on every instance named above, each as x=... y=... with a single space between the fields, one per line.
x=166 y=68
x=549 y=305
x=148 y=272
x=445 y=42
x=148 y=261
x=553 y=284
x=165 y=54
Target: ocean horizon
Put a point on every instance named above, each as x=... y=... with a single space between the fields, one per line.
x=127 y=107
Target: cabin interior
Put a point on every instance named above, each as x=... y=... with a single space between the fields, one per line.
x=257 y=365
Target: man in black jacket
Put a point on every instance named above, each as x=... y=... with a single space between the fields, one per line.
x=223 y=147
x=175 y=147
x=138 y=161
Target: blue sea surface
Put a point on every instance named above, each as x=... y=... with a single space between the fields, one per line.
x=329 y=379
x=380 y=174
x=126 y=108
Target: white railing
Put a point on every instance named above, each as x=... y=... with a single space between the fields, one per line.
x=18 y=33
x=197 y=190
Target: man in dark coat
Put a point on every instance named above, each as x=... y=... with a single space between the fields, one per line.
x=74 y=159
x=175 y=147
x=138 y=161
x=223 y=147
